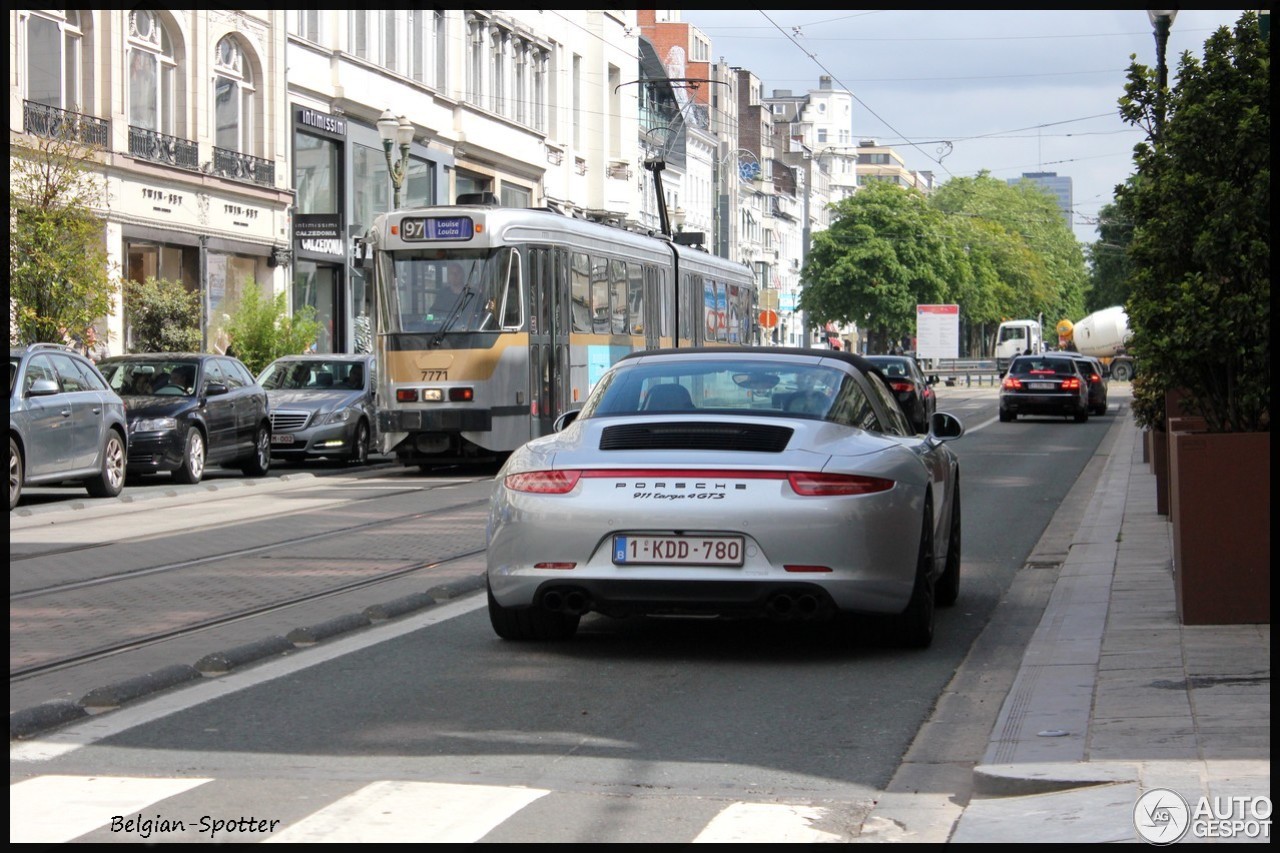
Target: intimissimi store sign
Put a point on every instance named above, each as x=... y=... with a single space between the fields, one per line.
x=318 y=234
x=319 y=122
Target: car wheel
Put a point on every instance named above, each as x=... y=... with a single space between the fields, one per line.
x=1082 y=415
x=915 y=624
x=360 y=445
x=530 y=623
x=260 y=462
x=948 y=588
x=109 y=482
x=192 y=468
x=15 y=473
x=1006 y=416
x=1120 y=372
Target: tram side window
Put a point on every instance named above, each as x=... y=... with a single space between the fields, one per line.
x=580 y=279
x=635 y=297
x=600 y=296
x=540 y=284
x=618 y=297
x=509 y=297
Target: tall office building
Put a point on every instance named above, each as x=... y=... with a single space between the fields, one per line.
x=1060 y=186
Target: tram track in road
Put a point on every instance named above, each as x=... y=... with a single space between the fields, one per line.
x=182 y=564
x=114 y=606
x=24 y=673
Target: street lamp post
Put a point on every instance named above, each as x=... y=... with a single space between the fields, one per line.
x=1161 y=21
x=396 y=131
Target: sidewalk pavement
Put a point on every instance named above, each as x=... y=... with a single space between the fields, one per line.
x=1115 y=698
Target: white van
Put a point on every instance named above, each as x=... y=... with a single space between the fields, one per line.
x=1017 y=337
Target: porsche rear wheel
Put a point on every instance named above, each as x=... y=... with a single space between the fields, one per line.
x=915 y=624
x=530 y=623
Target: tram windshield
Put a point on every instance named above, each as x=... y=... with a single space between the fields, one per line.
x=439 y=291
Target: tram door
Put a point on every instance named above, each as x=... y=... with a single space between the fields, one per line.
x=548 y=338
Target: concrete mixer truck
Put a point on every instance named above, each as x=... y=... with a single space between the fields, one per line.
x=1103 y=335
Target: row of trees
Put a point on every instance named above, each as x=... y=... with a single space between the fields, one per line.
x=62 y=281
x=998 y=250
x=1185 y=247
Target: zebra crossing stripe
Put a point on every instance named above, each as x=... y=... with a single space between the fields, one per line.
x=56 y=809
x=411 y=811
x=776 y=823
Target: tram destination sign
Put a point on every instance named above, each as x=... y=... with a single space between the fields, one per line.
x=424 y=228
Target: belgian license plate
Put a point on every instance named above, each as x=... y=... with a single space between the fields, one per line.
x=281 y=438
x=1042 y=386
x=678 y=550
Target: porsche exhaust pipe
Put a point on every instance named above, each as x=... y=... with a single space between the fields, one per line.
x=576 y=602
x=572 y=601
x=785 y=606
x=780 y=606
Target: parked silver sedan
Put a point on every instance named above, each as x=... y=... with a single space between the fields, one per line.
x=783 y=483
x=321 y=406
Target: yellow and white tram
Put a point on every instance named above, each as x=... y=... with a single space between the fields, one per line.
x=491 y=322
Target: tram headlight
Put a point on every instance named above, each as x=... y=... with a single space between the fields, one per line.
x=432 y=395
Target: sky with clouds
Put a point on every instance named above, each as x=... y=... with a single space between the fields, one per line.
x=957 y=92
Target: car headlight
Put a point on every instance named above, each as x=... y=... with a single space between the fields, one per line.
x=339 y=417
x=154 y=425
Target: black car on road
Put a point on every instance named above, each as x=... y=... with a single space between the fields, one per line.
x=1096 y=372
x=321 y=406
x=190 y=410
x=1047 y=384
x=912 y=388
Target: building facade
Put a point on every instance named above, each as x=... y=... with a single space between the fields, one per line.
x=184 y=110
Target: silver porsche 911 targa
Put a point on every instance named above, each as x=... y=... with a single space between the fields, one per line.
x=782 y=483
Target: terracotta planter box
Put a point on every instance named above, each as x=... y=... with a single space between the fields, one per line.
x=1220 y=506
x=1160 y=467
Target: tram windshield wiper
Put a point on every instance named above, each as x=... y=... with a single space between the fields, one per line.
x=454 y=313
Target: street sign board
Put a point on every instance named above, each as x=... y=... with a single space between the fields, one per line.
x=938 y=331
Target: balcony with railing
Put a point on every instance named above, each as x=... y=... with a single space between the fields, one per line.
x=162 y=148
x=243 y=167
x=52 y=122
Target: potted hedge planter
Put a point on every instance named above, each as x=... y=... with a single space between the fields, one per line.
x=1220 y=506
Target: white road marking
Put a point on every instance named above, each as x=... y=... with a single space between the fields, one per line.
x=56 y=809
x=776 y=823
x=411 y=811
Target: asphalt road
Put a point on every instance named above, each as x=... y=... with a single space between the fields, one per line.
x=646 y=730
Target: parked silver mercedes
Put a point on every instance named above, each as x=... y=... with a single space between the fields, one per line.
x=321 y=406
x=783 y=483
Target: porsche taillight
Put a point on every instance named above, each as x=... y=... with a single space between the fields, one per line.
x=543 y=482
x=827 y=485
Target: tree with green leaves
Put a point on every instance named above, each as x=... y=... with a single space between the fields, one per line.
x=883 y=254
x=1200 y=301
x=1109 y=266
x=60 y=278
x=262 y=330
x=1017 y=236
x=164 y=316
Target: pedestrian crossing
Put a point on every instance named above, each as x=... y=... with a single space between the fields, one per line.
x=55 y=809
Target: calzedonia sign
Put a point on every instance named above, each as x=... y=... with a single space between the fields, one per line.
x=323 y=122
